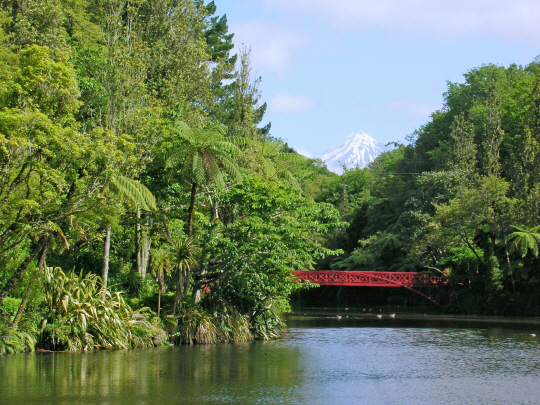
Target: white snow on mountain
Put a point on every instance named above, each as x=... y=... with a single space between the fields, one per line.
x=356 y=150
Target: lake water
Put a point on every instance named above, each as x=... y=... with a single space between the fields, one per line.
x=361 y=359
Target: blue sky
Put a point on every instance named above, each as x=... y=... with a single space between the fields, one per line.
x=333 y=67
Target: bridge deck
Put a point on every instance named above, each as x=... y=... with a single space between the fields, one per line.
x=371 y=278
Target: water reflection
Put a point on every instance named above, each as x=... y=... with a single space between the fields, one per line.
x=188 y=374
x=322 y=361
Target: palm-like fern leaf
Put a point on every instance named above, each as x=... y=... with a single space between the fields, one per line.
x=136 y=194
x=273 y=163
x=231 y=168
x=208 y=152
x=524 y=240
x=291 y=157
x=389 y=242
x=197 y=168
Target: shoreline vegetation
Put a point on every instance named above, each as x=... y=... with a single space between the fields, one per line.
x=144 y=201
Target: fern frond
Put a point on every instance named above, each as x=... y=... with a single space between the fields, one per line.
x=287 y=175
x=240 y=141
x=231 y=168
x=266 y=165
x=219 y=181
x=227 y=147
x=137 y=194
x=215 y=128
x=175 y=159
x=181 y=126
x=524 y=240
x=211 y=132
x=270 y=149
x=291 y=157
x=197 y=169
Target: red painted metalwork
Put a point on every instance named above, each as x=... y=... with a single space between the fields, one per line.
x=410 y=281
x=371 y=278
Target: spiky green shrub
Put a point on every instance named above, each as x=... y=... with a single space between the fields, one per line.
x=81 y=315
x=202 y=326
x=232 y=325
x=195 y=325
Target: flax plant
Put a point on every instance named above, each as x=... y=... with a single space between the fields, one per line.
x=82 y=315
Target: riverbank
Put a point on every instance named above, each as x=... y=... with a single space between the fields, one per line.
x=394 y=316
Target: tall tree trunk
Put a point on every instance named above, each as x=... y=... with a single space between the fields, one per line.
x=189 y=232
x=41 y=243
x=138 y=240
x=105 y=272
x=146 y=243
x=178 y=293
x=159 y=303
x=511 y=273
x=186 y=282
x=160 y=280
x=204 y=254
x=167 y=230
x=142 y=247
x=191 y=209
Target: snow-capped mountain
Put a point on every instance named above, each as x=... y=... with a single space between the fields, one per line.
x=356 y=150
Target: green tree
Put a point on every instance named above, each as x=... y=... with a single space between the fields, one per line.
x=464 y=149
x=52 y=173
x=267 y=231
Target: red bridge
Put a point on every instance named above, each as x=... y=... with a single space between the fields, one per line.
x=410 y=281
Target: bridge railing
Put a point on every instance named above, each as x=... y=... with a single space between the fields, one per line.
x=371 y=278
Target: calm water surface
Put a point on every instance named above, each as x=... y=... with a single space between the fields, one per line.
x=324 y=360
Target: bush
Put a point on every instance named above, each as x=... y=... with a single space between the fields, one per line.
x=10 y=306
x=202 y=326
x=81 y=315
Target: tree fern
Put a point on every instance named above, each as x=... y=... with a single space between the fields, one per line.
x=524 y=240
x=389 y=242
x=208 y=152
x=275 y=164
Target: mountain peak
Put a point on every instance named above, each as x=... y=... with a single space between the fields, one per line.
x=357 y=149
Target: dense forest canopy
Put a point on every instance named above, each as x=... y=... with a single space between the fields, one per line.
x=138 y=178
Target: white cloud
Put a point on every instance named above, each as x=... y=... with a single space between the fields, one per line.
x=408 y=109
x=516 y=20
x=285 y=103
x=272 y=47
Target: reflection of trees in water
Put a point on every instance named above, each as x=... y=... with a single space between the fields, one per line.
x=239 y=368
x=132 y=376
